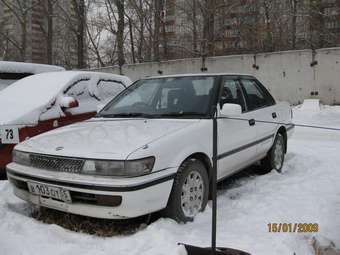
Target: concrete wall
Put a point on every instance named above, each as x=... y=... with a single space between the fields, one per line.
x=288 y=75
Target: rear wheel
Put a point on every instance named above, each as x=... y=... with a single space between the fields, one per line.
x=276 y=155
x=189 y=193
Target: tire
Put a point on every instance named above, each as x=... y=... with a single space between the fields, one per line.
x=275 y=157
x=187 y=194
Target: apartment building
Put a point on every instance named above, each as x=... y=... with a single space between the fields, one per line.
x=179 y=28
x=248 y=26
x=24 y=32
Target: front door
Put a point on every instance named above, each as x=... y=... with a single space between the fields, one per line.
x=235 y=136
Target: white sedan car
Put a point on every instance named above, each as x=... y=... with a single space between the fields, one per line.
x=150 y=148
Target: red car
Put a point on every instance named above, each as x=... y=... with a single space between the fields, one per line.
x=46 y=101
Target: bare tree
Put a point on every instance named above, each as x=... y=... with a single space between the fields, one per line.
x=74 y=20
x=156 y=35
x=141 y=24
x=132 y=41
x=94 y=29
x=209 y=25
x=46 y=26
x=79 y=7
x=293 y=5
x=120 y=32
x=19 y=10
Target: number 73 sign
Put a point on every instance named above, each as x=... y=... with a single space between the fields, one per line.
x=9 y=135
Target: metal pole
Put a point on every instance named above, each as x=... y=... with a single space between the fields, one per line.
x=213 y=183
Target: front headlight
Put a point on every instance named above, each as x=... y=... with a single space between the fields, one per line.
x=126 y=168
x=21 y=158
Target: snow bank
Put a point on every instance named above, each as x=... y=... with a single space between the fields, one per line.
x=311 y=105
x=307 y=191
x=20 y=67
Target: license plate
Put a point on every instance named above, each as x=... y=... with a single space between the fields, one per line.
x=9 y=134
x=49 y=191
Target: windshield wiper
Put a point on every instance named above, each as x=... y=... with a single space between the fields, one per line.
x=181 y=114
x=145 y=115
x=126 y=115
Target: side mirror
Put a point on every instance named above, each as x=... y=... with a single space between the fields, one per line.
x=231 y=110
x=68 y=102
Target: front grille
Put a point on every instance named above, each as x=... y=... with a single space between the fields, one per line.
x=60 y=164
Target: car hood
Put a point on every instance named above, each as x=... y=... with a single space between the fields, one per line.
x=103 y=139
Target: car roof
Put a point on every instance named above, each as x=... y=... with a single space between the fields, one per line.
x=74 y=73
x=199 y=75
x=21 y=67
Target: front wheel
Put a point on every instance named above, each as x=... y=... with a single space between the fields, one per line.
x=189 y=193
x=276 y=155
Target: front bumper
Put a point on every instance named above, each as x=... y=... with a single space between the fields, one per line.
x=136 y=196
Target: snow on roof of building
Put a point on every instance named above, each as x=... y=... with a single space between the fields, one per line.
x=20 y=67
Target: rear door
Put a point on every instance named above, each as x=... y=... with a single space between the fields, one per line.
x=235 y=137
x=90 y=93
x=262 y=106
x=87 y=103
x=87 y=108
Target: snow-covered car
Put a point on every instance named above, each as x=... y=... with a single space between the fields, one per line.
x=42 y=102
x=150 y=148
x=11 y=72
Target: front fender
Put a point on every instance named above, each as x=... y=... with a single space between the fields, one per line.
x=171 y=150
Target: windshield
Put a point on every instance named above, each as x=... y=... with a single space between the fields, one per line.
x=163 y=97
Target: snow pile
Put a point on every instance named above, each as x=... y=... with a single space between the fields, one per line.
x=27 y=99
x=307 y=191
x=310 y=105
x=20 y=67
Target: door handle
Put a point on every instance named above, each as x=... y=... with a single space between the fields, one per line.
x=251 y=122
x=274 y=115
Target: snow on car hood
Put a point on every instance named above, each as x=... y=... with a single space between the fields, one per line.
x=103 y=139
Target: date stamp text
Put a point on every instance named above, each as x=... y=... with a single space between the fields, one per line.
x=293 y=227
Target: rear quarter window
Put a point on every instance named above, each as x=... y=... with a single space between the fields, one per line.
x=256 y=95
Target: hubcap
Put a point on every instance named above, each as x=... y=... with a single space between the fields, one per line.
x=192 y=194
x=278 y=154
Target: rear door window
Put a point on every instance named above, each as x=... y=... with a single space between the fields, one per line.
x=79 y=90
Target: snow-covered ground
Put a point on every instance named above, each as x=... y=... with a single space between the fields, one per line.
x=307 y=191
